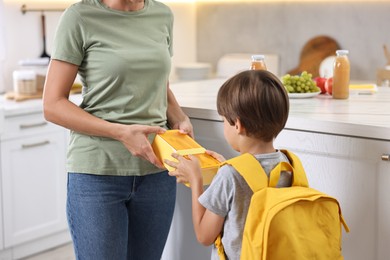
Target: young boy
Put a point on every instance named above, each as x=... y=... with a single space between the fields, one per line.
x=254 y=106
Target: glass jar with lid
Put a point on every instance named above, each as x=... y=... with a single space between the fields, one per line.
x=24 y=82
x=258 y=62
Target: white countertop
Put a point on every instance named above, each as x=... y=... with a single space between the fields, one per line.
x=366 y=116
x=10 y=108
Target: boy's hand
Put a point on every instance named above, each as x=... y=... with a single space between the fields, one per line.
x=187 y=169
x=217 y=156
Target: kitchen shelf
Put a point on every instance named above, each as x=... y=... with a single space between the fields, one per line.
x=24 y=9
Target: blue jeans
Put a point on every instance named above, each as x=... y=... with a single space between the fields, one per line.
x=120 y=217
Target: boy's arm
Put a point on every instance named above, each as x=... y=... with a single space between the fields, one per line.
x=207 y=225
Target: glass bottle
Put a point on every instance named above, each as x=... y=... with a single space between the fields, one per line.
x=341 y=75
x=258 y=62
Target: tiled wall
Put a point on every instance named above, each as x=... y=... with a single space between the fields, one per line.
x=284 y=28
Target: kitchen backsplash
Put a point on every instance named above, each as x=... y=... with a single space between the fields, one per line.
x=284 y=28
x=205 y=31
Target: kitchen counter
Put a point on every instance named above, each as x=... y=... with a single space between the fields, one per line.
x=366 y=116
x=362 y=115
x=11 y=108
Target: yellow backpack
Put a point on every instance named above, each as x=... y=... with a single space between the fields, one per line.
x=291 y=223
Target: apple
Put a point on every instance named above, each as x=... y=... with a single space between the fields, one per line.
x=329 y=85
x=320 y=82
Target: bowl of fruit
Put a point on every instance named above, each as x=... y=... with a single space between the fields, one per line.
x=300 y=86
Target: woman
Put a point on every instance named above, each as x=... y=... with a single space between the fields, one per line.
x=120 y=199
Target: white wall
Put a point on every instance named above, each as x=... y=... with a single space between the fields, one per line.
x=23 y=34
x=2 y=49
x=283 y=27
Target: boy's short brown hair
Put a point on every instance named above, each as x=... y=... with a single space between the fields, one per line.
x=258 y=99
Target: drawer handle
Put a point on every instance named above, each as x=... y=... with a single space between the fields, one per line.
x=385 y=157
x=32 y=125
x=26 y=146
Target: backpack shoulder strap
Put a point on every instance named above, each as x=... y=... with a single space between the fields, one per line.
x=295 y=167
x=246 y=164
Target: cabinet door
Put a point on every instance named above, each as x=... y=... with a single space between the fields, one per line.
x=209 y=134
x=182 y=242
x=34 y=187
x=384 y=205
x=1 y=199
x=1 y=216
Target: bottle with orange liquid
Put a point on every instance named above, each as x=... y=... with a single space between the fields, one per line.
x=341 y=75
x=258 y=62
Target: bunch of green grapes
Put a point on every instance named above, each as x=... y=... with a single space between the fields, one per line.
x=303 y=83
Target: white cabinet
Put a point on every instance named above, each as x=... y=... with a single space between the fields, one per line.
x=1 y=220
x=33 y=182
x=209 y=133
x=348 y=168
x=383 y=238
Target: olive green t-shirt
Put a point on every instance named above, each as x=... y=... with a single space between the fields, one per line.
x=124 y=61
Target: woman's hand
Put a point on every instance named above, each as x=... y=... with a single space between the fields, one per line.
x=135 y=139
x=184 y=127
x=177 y=119
x=187 y=169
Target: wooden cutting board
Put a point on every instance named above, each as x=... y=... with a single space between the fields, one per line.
x=21 y=97
x=313 y=52
x=76 y=89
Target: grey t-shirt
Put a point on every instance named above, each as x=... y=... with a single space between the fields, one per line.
x=229 y=196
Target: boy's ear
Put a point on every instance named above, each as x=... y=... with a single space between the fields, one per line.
x=239 y=127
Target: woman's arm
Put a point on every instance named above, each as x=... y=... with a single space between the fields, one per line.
x=177 y=119
x=59 y=110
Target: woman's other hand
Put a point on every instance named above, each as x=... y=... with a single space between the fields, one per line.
x=177 y=119
x=184 y=127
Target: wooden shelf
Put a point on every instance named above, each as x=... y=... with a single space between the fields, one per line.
x=24 y=9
